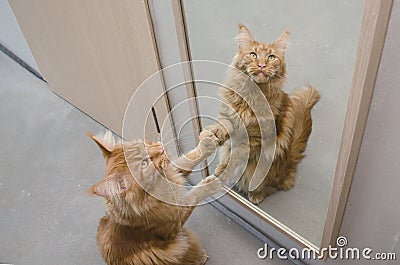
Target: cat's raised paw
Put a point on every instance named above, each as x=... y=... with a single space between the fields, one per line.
x=219 y=131
x=208 y=135
x=208 y=143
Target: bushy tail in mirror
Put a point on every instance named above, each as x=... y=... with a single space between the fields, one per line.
x=302 y=101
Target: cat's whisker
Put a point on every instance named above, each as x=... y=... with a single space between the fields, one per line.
x=181 y=139
x=184 y=135
x=269 y=86
x=169 y=131
x=177 y=205
x=145 y=213
x=287 y=81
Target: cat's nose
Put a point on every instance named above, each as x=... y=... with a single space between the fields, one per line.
x=261 y=65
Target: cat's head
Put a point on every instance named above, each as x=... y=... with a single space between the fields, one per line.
x=145 y=160
x=261 y=61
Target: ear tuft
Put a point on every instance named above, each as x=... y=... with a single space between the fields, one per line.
x=90 y=191
x=281 y=43
x=244 y=37
x=105 y=142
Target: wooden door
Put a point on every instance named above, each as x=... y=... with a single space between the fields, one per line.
x=93 y=53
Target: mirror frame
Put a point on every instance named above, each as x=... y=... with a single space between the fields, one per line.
x=374 y=25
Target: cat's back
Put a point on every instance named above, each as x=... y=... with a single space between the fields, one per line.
x=122 y=245
x=118 y=244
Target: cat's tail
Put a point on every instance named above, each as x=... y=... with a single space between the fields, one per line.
x=302 y=102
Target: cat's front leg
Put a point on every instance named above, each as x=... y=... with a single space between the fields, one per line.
x=208 y=143
x=207 y=187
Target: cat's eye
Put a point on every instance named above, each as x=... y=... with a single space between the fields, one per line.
x=253 y=55
x=144 y=163
x=271 y=57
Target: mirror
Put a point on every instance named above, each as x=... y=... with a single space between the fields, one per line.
x=321 y=51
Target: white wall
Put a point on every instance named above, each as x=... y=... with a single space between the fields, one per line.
x=11 y=36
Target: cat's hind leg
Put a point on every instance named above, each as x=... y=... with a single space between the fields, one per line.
x=203 y=258
x=195 y=254
x=288 y=182
x=207 y=187
x=257 y=197
x=271 y=186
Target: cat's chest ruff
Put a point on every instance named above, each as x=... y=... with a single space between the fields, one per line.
x=252 y=111
x=246 y=124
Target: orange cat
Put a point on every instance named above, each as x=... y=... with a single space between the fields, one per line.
x=265 y=65
x=138 y=228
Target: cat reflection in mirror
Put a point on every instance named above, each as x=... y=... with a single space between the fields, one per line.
x=265 y=65
x=139 y=228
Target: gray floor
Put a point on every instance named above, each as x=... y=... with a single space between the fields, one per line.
x=321 y=51
x=47 y=163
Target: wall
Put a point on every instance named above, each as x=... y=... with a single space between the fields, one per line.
x=372 y=217
x=11 y=36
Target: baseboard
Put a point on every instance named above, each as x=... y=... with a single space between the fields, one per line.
x=21 y=62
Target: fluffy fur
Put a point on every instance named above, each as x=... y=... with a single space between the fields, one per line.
x=265 y=65
x=138 y=228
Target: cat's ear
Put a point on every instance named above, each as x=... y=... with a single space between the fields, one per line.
x=110 y=186
x=281 y=43
x=244 y=37
x=106 y=147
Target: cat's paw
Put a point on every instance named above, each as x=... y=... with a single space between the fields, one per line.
x=209 y=136
x=203 y=258
x=208 y=143
x=256 y=198
x=210 y=185
x=220 y=132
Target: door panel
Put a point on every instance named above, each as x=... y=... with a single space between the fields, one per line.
x=93 y=53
